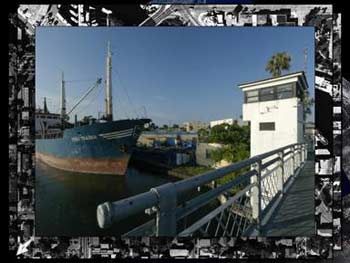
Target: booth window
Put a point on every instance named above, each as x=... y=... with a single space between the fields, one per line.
x=267 y=94
x=267 y=126
x=285 y=91
x=252 y=96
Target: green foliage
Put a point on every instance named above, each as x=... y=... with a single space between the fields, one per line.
x=277 y=63
x=236 y=140
x=307 y=102
x=231 y=176
x=191 y=170
x=203 y=132
x=203 y=135
x=229 y=134
x=216 y=155
x=227 y=178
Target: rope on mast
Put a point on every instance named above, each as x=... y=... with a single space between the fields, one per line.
x=86 y=94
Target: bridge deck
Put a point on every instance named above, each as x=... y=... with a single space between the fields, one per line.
x=294 y=216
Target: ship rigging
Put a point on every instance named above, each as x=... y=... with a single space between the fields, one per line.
x=102 y=146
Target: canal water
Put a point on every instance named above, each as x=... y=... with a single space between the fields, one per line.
x=66 y=202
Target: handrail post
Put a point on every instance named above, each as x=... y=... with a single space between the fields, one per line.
x=281 y=179
x=296 y=157
x=166 y=210
x=293 y=160
x=301 y=153
x=306 y=152
x=260 y=196
x=257 y=196
x=163 y=199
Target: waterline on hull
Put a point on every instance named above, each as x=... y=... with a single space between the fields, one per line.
x=109 y=165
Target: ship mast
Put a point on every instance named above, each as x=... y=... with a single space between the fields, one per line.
x=63 y=100
x=109 y=107
x=45 y=106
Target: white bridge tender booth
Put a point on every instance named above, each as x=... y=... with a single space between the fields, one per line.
x=274 y=110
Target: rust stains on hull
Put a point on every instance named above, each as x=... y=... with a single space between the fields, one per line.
x=87 y=165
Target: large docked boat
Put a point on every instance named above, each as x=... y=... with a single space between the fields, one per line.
x=101 y=146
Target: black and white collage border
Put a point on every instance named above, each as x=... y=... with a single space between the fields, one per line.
x=22 y=108
x=337 y=132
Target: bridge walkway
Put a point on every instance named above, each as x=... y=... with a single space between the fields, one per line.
x=294 y=216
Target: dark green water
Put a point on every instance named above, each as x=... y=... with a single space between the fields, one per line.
x=65 y=202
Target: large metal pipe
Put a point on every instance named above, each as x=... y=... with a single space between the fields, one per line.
x=108 y=212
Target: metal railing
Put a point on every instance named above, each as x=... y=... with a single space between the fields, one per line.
x=246 y=201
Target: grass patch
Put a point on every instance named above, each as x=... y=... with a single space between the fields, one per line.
x=188 y=171
x=191 y=170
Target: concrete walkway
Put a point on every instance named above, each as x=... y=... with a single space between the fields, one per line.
x=294 y=216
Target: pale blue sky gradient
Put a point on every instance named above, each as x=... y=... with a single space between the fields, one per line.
x=177 y=73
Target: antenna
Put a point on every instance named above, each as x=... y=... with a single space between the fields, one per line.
x=145 y=111
x=305 y=60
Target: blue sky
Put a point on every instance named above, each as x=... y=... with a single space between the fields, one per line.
x=177 y=74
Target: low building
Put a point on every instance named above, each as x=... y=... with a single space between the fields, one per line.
x=203 y=153
x=229 y=121
x=158 y=138
x=162 y=158
x=195 y=126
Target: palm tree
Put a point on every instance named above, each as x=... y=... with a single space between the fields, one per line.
x=277 y=63
x=307 y=103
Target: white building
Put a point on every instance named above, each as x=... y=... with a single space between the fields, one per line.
x=194 y=125
x=218 y=122
x=230 y=121
x=275 y=111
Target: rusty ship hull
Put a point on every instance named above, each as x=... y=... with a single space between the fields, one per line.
x=99 y=148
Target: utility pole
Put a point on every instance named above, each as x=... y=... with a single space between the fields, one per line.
x=63 y=100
